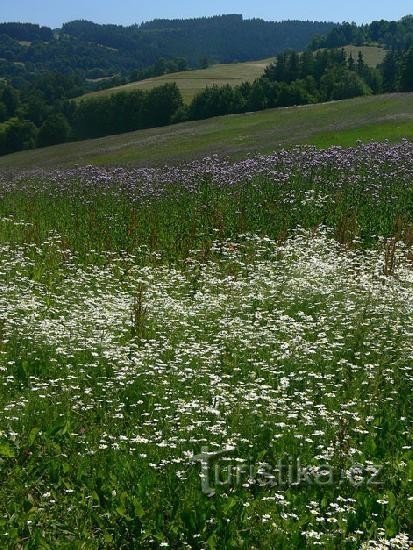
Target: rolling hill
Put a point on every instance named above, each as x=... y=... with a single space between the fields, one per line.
x=93 y=51
x=382 y=117
x=192 y=82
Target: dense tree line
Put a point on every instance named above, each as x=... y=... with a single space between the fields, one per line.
x=124 y=112
x=26 y=32
x=48 y=117
x=27 y=114
x=96 y=51
x=390 y=34
x=222 y=38
x=43 y=70
x=397 y=70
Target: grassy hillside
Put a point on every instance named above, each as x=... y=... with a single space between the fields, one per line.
x=373 y=55
x=192 y=82
x=337 y=123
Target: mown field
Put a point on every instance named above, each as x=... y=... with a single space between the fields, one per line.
x=336 y=123
x=373 y=55
x=192 y=82
x=216 y=355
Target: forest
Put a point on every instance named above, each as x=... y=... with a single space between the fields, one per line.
x=97 y=51
x=392 y=35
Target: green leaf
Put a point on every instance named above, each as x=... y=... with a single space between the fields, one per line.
x=139 y=511
x=32 y=435
x=62 y=428
x=229 y=505
x=121 y=511
x=371 y=445
x=212 y=542
x=25 y=367
x=390 y=526
x=6 y=451
x=392 y=500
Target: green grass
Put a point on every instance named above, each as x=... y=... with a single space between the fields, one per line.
x=336 y=123
x=391 y=130
x=373 y=55
x=192 y=82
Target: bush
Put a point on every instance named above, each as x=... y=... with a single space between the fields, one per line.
x=16 y=134
x=127 y=111
x=343 y=84
x=160 y=105
x=54 y=130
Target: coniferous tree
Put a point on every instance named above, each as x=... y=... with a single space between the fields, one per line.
x=406 y=76
x=390 y=72
x=258 y=98
x=307 y=64
x=293 y=69
x=360 y=63
x=10 y=98
x=3 y=112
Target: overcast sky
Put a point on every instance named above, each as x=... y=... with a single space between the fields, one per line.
x=55 y=12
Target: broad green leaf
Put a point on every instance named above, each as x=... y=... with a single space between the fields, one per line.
x=33 y=435
x=6 y=451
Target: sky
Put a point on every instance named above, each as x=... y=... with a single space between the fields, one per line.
x=53 y=13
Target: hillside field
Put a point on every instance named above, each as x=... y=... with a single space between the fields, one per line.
x=336 y=123
x=192 y=82
x=373 y=55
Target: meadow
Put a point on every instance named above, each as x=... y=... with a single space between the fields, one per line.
x=194 y=81
x=344 y=123
x=373 y=55
x=212 y=355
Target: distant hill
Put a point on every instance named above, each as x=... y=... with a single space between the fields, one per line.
x=223 y=39
x=379 y=117
x=96 y=51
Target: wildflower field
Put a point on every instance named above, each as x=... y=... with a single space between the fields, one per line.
x=217 y=355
